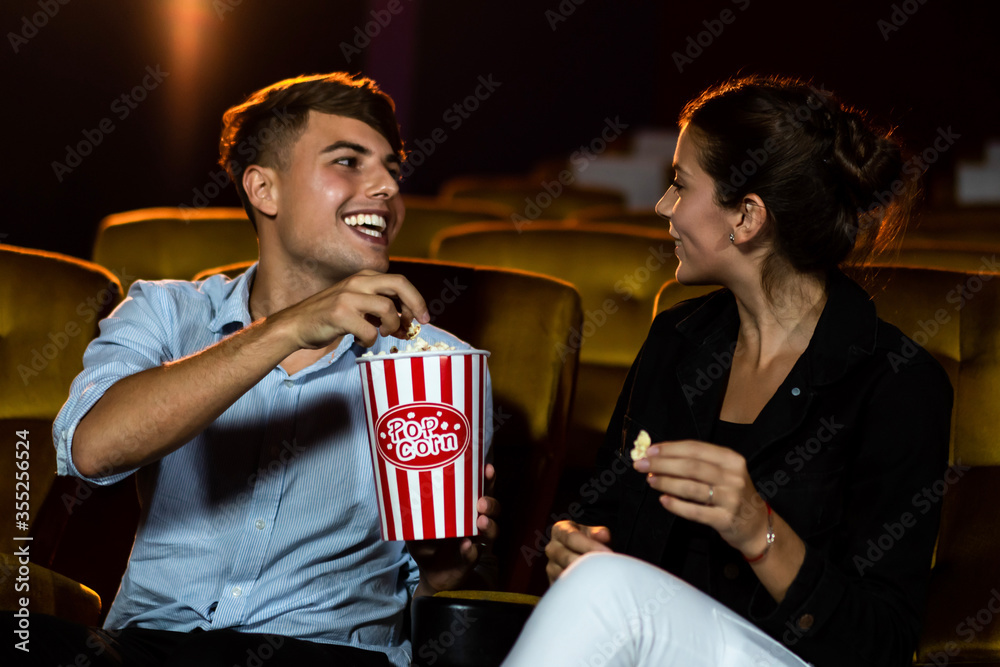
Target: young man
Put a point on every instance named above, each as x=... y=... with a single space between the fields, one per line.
x=238 y=405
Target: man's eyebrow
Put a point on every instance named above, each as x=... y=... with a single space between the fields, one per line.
x=357 y=148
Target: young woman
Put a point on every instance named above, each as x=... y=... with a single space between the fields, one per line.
x=775 y=519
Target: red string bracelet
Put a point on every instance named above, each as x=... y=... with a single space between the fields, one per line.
x=770 y=536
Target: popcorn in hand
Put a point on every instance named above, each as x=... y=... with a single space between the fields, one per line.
x=641 y=444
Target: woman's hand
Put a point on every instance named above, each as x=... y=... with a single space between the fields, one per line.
x=571 y=540
x=709 y=484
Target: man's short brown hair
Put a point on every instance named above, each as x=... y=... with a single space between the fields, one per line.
x=263 y=128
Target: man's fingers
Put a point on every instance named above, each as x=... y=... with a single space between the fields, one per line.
x=488 y=506
x=412 y=304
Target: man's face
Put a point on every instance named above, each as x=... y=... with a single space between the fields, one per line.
x=338 y=204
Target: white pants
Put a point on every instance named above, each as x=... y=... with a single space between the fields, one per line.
x=609 y=610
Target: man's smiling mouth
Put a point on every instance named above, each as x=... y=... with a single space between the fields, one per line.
x=371 y=224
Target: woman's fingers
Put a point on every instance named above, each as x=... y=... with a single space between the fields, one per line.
x=571 y=540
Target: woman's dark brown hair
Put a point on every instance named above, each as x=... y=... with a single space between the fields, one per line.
x=833 y=186
x=263 y=128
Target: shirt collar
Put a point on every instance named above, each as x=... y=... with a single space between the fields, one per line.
x=233 y=313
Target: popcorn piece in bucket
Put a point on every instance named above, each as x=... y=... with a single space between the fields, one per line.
x=641 y=444
x=413 y=330
x=418 y=344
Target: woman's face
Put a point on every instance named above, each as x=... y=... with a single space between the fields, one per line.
x=699 y=225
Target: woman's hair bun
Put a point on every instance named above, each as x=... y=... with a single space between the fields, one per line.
x=869 y=162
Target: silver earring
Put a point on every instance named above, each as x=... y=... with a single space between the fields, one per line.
x=732 y=237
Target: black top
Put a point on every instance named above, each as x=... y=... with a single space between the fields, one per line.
x=857 y=429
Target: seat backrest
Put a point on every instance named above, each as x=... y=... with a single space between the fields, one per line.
x=158 y=243
x=426 y=216
x=530 y=198
x=613 y=214
x=525 y=321
x=616 y=268
x=50 y=305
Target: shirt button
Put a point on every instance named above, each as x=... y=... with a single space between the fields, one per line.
x=237 y=591
x=805 y=621
x=260 y=524
x=731 y=571
x=796 y=391
x=289 y=384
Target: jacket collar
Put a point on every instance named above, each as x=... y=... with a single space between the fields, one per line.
x=846 y=328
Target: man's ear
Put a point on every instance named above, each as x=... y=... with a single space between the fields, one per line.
x=261 y=186
x=752 y=219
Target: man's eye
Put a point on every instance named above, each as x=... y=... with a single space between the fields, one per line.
x=347 y=161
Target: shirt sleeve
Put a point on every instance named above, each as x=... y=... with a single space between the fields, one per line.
x=866 y=594
x=134 y=338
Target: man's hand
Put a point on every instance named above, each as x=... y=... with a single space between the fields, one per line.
x=571 y=540
x=364 y=305
x=446 y=564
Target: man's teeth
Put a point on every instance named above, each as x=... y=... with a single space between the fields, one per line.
x=365 y=220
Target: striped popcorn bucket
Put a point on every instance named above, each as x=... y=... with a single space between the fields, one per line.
x=425 y=425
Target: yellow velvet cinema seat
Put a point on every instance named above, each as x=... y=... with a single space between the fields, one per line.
x=157 y=243
x=616 y=215
x=955 y=316
x=530 y=198
x=50 y=305
x=526 y=321
x=426 y=216
x=959 y=239
x=617 y=268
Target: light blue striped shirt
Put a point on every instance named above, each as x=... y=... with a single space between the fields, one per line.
x=267 y=521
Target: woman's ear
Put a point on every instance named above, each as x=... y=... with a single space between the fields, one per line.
x=260 y=184
x=752 y=219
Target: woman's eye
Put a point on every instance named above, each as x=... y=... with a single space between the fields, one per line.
x=676 y=186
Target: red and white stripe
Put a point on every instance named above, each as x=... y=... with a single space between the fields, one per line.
x=441 y=502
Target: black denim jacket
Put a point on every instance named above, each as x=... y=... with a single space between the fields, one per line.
x=852 y=454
